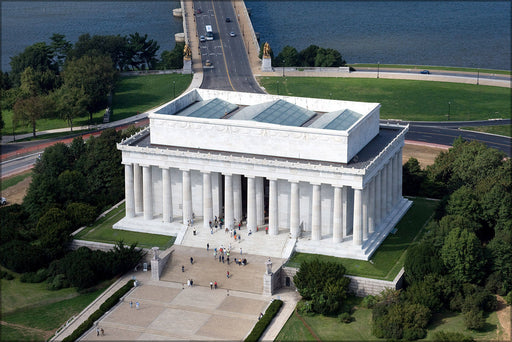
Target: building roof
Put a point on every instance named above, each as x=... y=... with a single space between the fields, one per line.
x=209 y=109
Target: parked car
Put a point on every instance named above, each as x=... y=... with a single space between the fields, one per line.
x=202 y=39
x=208 y=63
x=232 y=34
x=3 y=201
x=228 y=20
x=425 y=72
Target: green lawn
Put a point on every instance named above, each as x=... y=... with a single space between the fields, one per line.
x=331 y=329
x=389 y=257
x=403 y=99
x=429 y=67
x=505 y=130
x=14 y=180
x=102 y=231
x=33 y=313
x=133 y=94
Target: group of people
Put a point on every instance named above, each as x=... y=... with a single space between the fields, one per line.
x=98 y=330
x=213 y=285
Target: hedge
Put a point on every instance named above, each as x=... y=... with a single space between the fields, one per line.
x=107 y=305
x=263 y=323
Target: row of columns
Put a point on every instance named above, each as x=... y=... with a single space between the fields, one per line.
x=356 y=211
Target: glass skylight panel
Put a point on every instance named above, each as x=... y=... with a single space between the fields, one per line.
x=343 y=121
x=284 y=113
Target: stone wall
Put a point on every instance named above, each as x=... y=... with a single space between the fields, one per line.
x=360 y=286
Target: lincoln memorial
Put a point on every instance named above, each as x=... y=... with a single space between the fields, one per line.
x=322 y=176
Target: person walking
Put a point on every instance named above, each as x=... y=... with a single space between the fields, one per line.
x=182 y=268
x=191 y=260
x=131 y=304
x=137 y=305
x=207 y=246
x=227 y=274
x=240 y=250
x=215 y=285
x=211 y=285
x=102 y=332
x=223 y=258
x=97 y=331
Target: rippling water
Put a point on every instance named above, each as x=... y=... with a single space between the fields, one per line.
x=452 y=33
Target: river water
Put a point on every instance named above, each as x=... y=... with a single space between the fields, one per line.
x=452 y=33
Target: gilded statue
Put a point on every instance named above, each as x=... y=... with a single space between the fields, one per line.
x=266 y=50
x=187 y=53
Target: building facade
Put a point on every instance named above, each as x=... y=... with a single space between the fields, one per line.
x=323 y=172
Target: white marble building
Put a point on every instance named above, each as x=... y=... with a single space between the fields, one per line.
x=323 y=173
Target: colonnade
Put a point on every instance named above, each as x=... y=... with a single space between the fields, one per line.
x=355 y=211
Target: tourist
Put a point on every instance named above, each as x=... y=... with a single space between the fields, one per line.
x=266 y=230
x=195 y=231
x=207 y=246
x=215 y=285
x=131 y=304
x=222 y=258
x=182 y=268
x=137 y=305
x=102 y=332
x=188 y=282
x=227 y=274
x=191 y=260
x=97 y=331
x=211 y=285
x=191 y=283
x=215 y=255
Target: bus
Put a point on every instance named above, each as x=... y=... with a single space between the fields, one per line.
x=209 y=32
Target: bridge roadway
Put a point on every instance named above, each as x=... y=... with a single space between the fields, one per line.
x=230 y=69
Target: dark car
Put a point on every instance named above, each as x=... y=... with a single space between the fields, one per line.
x=228 y=20
x=425 y=72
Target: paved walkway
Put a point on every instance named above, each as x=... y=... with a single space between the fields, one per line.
x=170 y=310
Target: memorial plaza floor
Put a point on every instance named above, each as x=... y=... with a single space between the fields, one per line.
x=171 y=310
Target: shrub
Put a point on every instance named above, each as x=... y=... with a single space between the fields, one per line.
x=369 y=302
x=445 y=336
x=263 y=323
x=345 y=317
x=6 y=275
x=304 y=307
x=58 y=282
x=508 y=298
x=80 y=214
x=474 y=319
x=34 y=277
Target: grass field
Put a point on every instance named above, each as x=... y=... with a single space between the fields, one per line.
x=429 y=67
x=132 y=95
x=389 y=257
x=403 y=99
x=102 y=231
x=32 y=313
x=330 y=328
x=505 y=130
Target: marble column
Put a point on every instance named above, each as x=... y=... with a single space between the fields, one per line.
x=316 y=217
x=207 y=200
x=237 y=198
x=187 y=197
x=128 y=190
x=272 y=208
x=371 y=207
x=383 y=190
x=389 y=183
x=337 y=229
x=167 y=195
x=260 y=201
x=378 y=189
x=148 y=192
x=358 y=204
x=228 y=201
x=251 y=203
x=346 y=208
x=400 y=170
x=396 y=174
x=364 y=214
x=137 y=189
x=294 y=210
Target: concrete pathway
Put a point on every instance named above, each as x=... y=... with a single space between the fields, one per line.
x=171 y=310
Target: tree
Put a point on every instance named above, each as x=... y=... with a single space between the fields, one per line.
x=114 y=46
x=172 y=59
x=462 y=255
x=38 y=56
x=324 y=283
x=422 y=259
x=95 y=75
x=328 y=58
x=59 y=48
x=308 y=55
x=142 y=51
x=413 y=177
x=31 y=109
x=71 y=103
x=287 y=57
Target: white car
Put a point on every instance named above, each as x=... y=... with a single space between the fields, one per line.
x=202 y=39
x=3 y=201
x=232 y=34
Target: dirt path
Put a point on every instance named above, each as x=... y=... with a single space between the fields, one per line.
x=504 y=316
x=42 y=333
x=16 y=193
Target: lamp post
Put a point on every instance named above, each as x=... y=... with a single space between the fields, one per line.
x=449 y=109
x=478 y=77
x=378 y=69
x=173 y=89
x=277 y=87
x=283 y=68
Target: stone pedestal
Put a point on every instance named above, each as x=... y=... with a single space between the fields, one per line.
x=187 y=66
x=266 y=64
